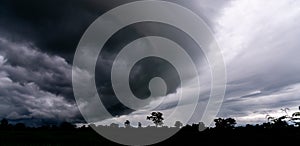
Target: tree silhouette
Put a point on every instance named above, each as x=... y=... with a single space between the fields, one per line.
x=270 y=118
x=4 y=123
x=127 y=123
x=296 y=118
x=92 y=125
x=228 y=123
x=114 y=125
x=20 y=126
x=157 y=118
x=282 y=121
x=178 y=124
x=67 y=126
x=201 y=126
x=285 y=110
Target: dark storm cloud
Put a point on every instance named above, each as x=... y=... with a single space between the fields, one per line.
x=52 y=25
x=25 y=64
x=259 y=40
x=56 y=26
x=39 y=40
x=24 y=93
x=146 y=69
x=43 y=27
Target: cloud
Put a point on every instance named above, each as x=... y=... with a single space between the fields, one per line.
x=259 y=40
x=25 y=63
x=260 y=45
x=40 y=44
x=53 y=26
x=25 y=75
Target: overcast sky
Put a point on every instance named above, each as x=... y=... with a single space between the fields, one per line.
x=259 y=41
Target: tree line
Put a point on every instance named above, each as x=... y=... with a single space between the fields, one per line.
x=285 y=121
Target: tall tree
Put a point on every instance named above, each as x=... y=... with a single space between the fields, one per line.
x=178 y=124
x=157 y=118
x=127 y=123
x=296 y=118
x=4 y=122
x=228 y=123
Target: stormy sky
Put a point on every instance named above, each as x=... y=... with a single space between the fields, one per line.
x=38 y=39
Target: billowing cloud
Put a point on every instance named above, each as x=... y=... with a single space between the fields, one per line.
x=260 y=44
x=259 y=40
x=24 y=63
x=34 y=87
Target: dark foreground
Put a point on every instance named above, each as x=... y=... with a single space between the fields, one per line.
x=187 y=135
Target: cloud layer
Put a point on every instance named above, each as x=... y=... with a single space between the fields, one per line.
x=259 y=40
x=261 y=49
x=34 y=86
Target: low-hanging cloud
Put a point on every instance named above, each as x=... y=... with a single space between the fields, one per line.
x=34 y=87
